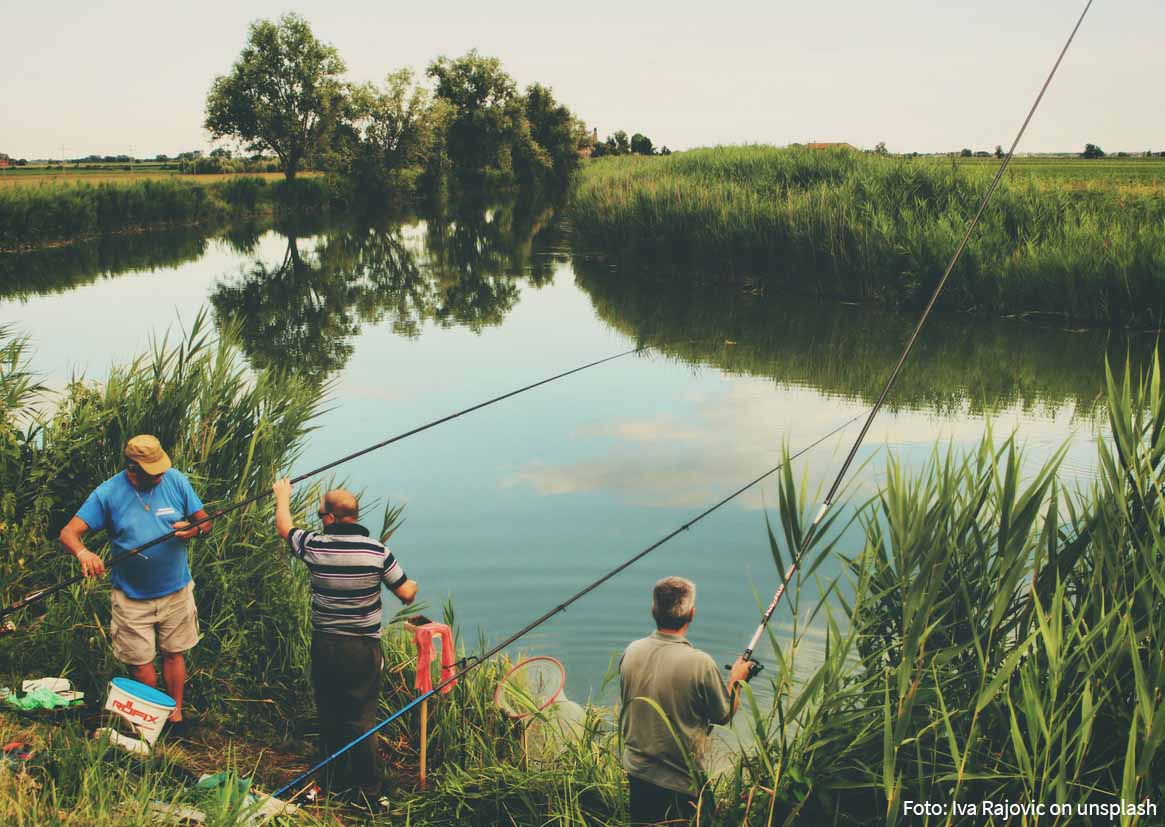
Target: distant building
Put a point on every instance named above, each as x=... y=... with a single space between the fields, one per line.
x=5 y=161
x=839 y=145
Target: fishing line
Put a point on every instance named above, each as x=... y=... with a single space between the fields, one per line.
x=43 y=593
x=829 y=498
x=561 y=607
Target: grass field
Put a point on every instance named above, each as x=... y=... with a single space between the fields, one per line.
x=41 y=177
x=1150 y=171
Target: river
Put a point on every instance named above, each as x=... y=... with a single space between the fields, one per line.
x=512 y=508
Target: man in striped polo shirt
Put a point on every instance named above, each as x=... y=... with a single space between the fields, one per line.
x=347 y=569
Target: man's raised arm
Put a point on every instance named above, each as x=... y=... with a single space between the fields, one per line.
x=282 y=491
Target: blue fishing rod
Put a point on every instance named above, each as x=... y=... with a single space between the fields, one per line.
x=830 y=497
x=43 y=593
x=475 y=661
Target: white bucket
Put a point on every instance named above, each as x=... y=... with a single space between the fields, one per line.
x=142 y=707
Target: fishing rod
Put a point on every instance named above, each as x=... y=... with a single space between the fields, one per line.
x=43 y=593
x=477 y=660
x=829 y=498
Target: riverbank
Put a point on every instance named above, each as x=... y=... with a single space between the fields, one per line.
x=870 y=228
x=987 y=623
x=45 y=216
x=477 y=772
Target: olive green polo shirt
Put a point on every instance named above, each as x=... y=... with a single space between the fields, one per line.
x=687 y=686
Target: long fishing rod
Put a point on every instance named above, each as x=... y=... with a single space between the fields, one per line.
x=829 y=498
x=476 y=661
x=43 y=593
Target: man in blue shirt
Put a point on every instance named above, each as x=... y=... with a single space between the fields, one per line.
x=153 y=594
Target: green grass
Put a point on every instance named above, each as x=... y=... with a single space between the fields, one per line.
x=229 y=430
x=37 y=216
x=1004 y=639
x=843 y=223
x=1111 y=170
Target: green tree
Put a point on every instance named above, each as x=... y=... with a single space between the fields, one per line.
x=999 y=151
x=641 y=144
x=880 y=148
x=483 y=99
x=394 y=128
x=556 y=130
x=622 y=143
x=284 y=93
x=966 y=153
x=1092 y=151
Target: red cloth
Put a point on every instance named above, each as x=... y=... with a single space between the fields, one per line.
x=423 y=635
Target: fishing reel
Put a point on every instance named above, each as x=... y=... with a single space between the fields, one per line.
x=754 y=668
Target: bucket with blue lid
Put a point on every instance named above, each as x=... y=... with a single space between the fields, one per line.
x=144 y=708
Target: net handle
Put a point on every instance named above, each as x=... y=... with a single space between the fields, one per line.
x=553 y=697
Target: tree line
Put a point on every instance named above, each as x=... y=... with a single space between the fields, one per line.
x=618 y=143
x=286 y=96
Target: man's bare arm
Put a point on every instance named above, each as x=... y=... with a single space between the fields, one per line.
x=184 y=531
x=70 y=537
x=406 y=592
x=739 y=674
x=282 y=491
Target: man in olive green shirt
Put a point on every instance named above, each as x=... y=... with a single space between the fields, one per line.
x=684 y=682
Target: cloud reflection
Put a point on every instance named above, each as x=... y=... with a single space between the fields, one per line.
x=698 y=452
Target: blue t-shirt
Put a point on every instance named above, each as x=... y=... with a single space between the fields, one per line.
x=119 y=508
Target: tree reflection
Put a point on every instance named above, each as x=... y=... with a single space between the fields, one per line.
x=961 y=362
x=459 y=267
x=292 y=316
x=62 y=269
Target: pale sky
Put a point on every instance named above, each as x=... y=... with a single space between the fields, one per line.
x=923 y=75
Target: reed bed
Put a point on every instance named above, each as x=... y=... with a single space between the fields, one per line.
x=843 y=223
x=32 y=216
x=1003 y=643
x=40 y=177
x=229 y=429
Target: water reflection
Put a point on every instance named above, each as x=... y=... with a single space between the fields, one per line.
x=61 y=269
x=465 y=264
x=459 y=268
x=961 y=364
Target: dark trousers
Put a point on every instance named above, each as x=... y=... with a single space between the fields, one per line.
x=658 y=805
x=345 y=673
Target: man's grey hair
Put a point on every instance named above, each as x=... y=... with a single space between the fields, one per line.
x=672 y=602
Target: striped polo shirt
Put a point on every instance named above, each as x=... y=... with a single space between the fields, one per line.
x=347 y=567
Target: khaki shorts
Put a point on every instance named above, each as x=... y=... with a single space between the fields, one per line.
x=142 y=627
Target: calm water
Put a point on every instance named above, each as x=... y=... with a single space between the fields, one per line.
x=512 y=508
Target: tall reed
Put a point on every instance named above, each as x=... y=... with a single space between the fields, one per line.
x=1003 y=644
x=229 y=430
x=867 y=227
x=32 y=216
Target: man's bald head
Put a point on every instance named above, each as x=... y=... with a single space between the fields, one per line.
x=342 y=504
